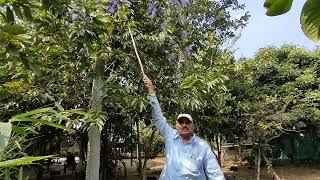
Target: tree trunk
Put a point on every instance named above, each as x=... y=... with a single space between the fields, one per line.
x=124 y=168
x=83 y=149
x=239 y=150
x=82 y=155
x=258 y=162
x=275 y=175
x=93 y=159
x=218 y=139
x=147 y=153
x=94 y=134
x=131 y=148
x=220 y=149
x=139 y=151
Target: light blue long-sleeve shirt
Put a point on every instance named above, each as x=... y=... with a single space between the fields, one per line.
x=193 y=160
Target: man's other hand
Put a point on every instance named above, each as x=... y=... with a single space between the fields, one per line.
x=148 y=84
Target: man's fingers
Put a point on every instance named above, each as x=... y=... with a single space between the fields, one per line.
x=145 y=77
x=148 y=83
x=146 y=80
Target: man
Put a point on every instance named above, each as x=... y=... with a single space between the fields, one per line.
x=187 y=156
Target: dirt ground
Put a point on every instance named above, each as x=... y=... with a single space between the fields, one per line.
x=242 y=172
x=285 y=172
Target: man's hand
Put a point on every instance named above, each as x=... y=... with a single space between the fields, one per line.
x=148 y=84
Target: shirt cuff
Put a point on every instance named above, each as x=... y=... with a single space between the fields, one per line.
x=152 y=94
x=152 y=97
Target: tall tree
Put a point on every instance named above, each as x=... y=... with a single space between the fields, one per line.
x=59 y=41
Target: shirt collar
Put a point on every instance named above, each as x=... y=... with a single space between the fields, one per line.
x=176 y=136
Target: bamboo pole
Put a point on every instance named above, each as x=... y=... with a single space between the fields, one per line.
x=136 y=51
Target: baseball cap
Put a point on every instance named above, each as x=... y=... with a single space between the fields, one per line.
x=188 y=116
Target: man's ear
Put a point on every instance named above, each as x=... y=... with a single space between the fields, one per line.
x=195 y=127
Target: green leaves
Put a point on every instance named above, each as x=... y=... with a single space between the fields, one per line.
x=190 y=82
x=5 y=133
x=64 y=39
x=33 y=112
x=44 y=122
x=285 y=90
x=15 y=10
x=10 y=16
x=20 y=176
x=277 y=7
x=45 y=116
x=310 y=19
x=22 y=161
x=27 y=12
x=76 y=111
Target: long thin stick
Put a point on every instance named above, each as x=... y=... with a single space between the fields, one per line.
x=135 y=49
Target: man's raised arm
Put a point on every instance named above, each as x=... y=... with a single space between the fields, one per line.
x=158 y=118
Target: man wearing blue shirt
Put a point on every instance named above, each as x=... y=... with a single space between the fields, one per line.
x=187 y=156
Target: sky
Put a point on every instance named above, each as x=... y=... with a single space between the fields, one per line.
x=263 y=31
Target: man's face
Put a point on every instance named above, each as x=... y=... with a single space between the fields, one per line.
x=185 y=127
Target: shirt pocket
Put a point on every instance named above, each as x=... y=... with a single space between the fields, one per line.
x=193 y=164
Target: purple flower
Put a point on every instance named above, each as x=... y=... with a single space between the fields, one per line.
x=74 y=16
x=176 y=3
x=184 y=34
x=87 y=18
x=112 y=9
x=162 y=26
x=185 y=2
x=152 y=10
x=187 y=49
x=112 y=6
x=113 y=2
